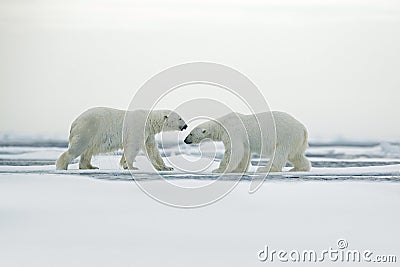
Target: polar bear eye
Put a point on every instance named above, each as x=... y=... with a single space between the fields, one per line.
x=165 y=117
x=204 y=131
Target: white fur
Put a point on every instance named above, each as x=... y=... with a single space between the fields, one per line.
x=246 y=134
x=101 y=130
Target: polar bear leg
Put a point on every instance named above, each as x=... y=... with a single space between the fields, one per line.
x=84 y=162
x=278 y=162
x=234 y=162
x=300 y=163
x=122 y=162
x=76 y=147
x=130 y=153
x=243 y=164
x=154 y=155
x=64 y=160
x=224 y=162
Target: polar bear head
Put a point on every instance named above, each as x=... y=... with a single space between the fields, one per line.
x=169 y=120
x=208 y=130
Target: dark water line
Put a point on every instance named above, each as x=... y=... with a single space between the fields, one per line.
x=126 y=176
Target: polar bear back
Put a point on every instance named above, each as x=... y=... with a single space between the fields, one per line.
x=261 y=132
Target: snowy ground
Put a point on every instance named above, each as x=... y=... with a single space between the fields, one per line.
x=101 y=217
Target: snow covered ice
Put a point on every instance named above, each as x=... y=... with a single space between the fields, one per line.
x=101 y=217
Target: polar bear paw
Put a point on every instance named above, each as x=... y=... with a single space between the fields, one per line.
x=218 y=170
x=164 y=168
x=126 y=167
x=88 y=167
x=268 y=169
x=295 y=169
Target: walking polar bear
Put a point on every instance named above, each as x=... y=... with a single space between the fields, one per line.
x=246 y=134
x=100 y=130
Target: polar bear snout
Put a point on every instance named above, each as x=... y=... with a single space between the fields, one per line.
x=197 y=135
x=173 y=122
x=184 y=127
x=188 y=139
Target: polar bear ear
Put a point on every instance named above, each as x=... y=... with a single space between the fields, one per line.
x=204 y=131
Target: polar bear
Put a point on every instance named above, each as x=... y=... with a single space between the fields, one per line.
x=100 y=130
x=246 y=134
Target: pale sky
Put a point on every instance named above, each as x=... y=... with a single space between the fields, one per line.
x=334 y=65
